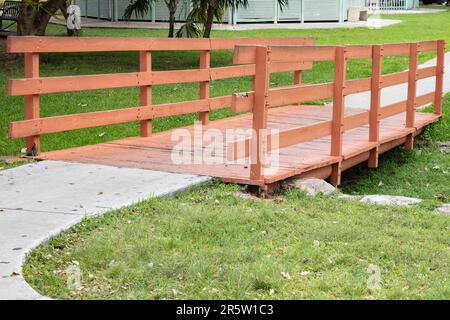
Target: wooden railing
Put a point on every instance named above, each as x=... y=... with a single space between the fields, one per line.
x=33 y=84
x=263 y=97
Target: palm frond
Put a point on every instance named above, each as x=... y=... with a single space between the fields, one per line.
x=137 y=7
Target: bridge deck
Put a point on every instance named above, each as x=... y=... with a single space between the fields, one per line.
x=308 y=158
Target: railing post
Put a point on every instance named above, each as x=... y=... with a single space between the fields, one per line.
x=260 y=107
x=412 y=93
x=205 y=63
x=439 y=77
x=145 y=65
x=337 y=132
x=375 y=103
x=298 y=79
x=32 y=102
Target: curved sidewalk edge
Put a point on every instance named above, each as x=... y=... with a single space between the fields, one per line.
x=40 y=200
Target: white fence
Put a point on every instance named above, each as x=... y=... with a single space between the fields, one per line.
x=391 y=5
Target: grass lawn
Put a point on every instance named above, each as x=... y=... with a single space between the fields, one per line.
x=212 y=243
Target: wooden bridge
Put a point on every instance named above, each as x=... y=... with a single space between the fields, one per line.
x=277 y=123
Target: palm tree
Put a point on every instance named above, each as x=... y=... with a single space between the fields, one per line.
x=142 y=7
x=205 y=11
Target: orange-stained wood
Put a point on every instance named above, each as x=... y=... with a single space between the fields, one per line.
x=283 y=96
x=246 y=54
x=205 y=62
x=337 y=131
x=259 y=141
x=297 y=79
x=412 y=92
x=145 y=65
x=439 y=77
x=32 y=102
x=96 y=44
x=375 y=104
x=18 y=87
x=20 y=129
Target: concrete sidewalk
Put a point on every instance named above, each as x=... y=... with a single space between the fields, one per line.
x=39 y=200
x=399 y=92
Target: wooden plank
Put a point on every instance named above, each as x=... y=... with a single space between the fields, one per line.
x=246 y=54
x=357 y=85
x=243 y=102
x=95 y=44
x=297 y=79
x=230 y=43
x=392 y=109
x=219 y=102
x=355 y=121
x=41 y=126
x=296 y=94
x=392 y=79
x=375 y=104
x=205 y=62
x=186 y=107
x=337 y=131
x=396 y=49
x=63 y=123
x=359 y=52
x=426 y=46
x=32 y=102
x=425 y=99
x=241 y=148
x=259 y=125
x=145 y=92
x=412 y=92
x=19 y=87
x=439 y=77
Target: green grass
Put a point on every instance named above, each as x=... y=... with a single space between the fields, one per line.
x=433 y=26
x=211 y=244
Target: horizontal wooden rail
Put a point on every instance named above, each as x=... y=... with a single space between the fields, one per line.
x=20 y=87
x=245 y=54
x=98 y=44
x=25 y=128
x=243 y=102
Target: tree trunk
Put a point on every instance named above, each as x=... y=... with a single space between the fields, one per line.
x=212 y=6
x=172 y=6
x=34 y=16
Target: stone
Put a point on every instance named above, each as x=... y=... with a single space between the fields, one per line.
x=444 y=147
x=313 y=187
x=445 y=209
x=348 y=196
x=387 y=200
